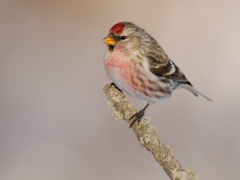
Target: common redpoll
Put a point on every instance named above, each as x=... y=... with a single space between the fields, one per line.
x=138 y=65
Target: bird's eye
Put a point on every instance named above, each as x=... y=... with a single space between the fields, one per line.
x=123 y=37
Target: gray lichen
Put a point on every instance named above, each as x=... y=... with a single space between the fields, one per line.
x=147 y=136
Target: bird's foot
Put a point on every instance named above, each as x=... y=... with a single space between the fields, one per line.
x=112 y=84
x=137 y=117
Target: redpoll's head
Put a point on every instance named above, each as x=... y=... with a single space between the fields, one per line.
x=127 y=36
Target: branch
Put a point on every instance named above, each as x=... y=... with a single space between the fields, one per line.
x=147 y=136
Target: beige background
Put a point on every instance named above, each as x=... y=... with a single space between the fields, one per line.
x=54 y=122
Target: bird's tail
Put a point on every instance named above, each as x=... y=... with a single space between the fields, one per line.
x=194 y=91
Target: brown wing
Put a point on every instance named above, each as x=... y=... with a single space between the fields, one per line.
x=167 y=69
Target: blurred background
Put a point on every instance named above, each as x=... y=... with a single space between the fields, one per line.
x=54 y=119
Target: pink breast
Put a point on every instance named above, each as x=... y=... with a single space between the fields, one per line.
x=118 y=67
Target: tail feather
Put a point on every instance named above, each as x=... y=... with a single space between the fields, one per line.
x=195 y=92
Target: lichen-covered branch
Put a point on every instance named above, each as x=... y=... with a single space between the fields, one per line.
x=147 y=136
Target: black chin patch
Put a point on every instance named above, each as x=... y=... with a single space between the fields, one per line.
x=110 y=48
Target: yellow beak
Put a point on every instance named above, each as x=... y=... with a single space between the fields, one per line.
x=109 y=41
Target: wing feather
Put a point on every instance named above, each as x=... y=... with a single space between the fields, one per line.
x=167 y=69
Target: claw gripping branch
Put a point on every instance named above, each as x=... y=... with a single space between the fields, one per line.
x=147 y=136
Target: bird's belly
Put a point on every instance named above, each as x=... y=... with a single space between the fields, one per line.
x=119 y=72
x=133 y=80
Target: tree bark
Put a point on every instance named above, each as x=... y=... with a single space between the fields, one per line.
x=147 y=136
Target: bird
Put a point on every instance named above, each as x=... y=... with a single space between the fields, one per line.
x=138 y=66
